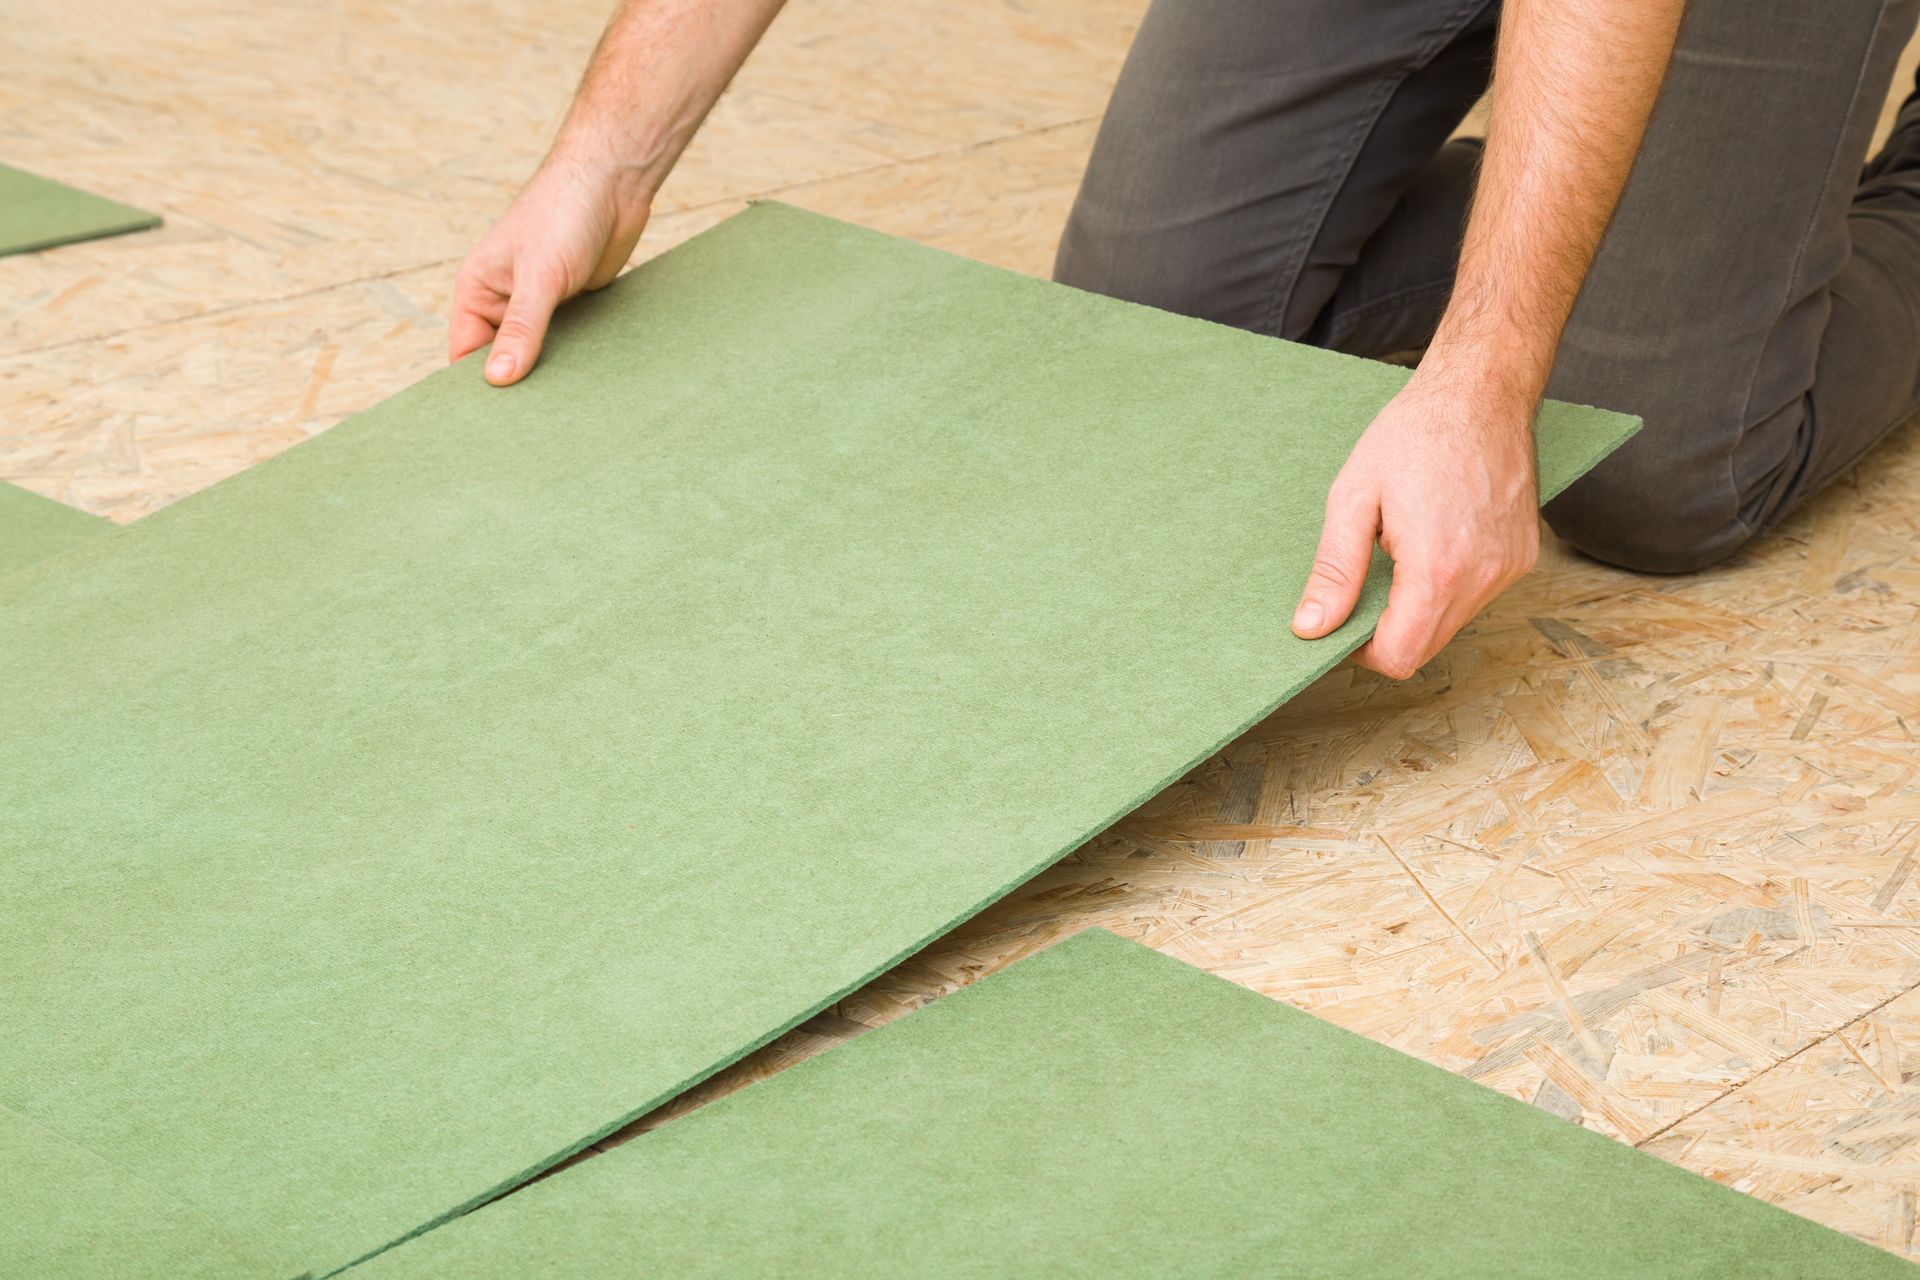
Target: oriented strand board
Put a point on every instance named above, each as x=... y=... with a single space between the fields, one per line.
x=33 y=528
x=1835 y=1129
x=1102 y=1110
x=39 y=213
x=1679 y=957
x=278 y=178
x=500 y=763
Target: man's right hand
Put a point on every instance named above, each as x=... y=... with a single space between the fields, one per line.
x=572 y=229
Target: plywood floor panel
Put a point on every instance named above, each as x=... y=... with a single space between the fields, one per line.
x=1641 y=850
x=345 y=142
x=1834 y=1133
x=969 y=73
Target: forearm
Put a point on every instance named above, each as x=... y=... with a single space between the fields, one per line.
x=1443 y=478
x=1574 y=82
x=658 y=69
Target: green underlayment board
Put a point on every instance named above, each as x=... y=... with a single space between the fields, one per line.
x=33 y=528
x=498 y=764
x=38 y=213
x=1103 y=1110
x=69 y=1212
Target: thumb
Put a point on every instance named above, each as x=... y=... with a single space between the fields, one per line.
x=522 y=329
x=1339 y=566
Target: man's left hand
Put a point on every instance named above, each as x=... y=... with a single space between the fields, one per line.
x=1444 y=479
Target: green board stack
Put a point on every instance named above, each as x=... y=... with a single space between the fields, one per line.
x=38 y=213
x=1102 y=1110
x=435 y=798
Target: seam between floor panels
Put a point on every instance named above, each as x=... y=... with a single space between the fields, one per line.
x=1771 y=1067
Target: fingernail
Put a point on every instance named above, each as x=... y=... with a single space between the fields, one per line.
x=500 y=365
x=1309 y=617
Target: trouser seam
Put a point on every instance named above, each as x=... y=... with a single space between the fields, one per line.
x=1782 y=510
x=1389 y=302
x=1874 y=34
x=1288 y=281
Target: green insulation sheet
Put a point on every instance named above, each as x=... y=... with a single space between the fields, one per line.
x=1102 y=1110
x=39 y=213
x=438 y=796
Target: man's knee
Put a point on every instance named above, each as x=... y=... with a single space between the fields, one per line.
x=1652 y=513
x=1670 y=523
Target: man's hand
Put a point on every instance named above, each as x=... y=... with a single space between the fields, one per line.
x=1444 y=479
x=659 y=68
x=571 y=230
x=1444 y=476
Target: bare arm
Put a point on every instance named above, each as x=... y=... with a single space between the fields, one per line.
x=658 y=69
x=1444 y=476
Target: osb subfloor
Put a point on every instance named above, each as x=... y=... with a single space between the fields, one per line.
x=1638 y=850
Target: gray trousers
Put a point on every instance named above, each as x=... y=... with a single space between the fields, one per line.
x=1282 y=166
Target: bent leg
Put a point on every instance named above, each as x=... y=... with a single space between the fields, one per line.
x=1252 y=149
x=1751 y=301
x=1392 y=299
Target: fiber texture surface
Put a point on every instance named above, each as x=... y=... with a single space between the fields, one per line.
x=500 y=763
x=70 y=1213
x=1102 y=1110
x=33 y=528
x=38 y=213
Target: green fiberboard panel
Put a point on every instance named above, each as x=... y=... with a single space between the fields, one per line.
x=495 y=766
x=33 y=528
x=1102 y=1110
x=69 y=1212
x=38 y=213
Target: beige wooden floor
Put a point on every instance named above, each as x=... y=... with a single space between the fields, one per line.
x=1638 y=850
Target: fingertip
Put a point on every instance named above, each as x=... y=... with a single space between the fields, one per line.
x=466 y=334
x=1316 y=621
x=503 y=368
x=1393 y=668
